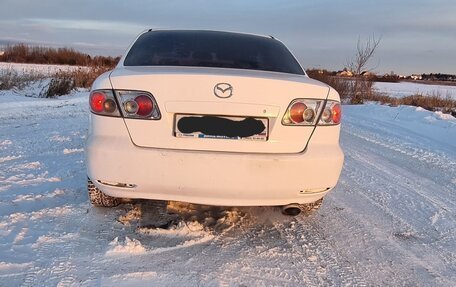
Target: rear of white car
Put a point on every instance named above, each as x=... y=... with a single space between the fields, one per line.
x=212 y=118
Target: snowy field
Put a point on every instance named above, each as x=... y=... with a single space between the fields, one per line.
x=403 y=89
x=400 y=89
x=37 y=68
x=390 y=221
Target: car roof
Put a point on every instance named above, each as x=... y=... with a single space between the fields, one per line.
x=209 y=31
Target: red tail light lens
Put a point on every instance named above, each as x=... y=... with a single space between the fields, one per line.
x=145 y=105
x=336 y=112
x=102 y=102
x=97 y=100
x=297 y=112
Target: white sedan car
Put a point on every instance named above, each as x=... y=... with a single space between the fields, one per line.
x=214 y=118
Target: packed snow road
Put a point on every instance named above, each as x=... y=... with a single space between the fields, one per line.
x=390 y=221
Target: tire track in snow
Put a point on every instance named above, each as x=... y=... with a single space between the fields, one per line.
x=255 y=257
x=380 y=175
x=265 y=252
x=414 y=181
x=308 y=242
x=60 y=249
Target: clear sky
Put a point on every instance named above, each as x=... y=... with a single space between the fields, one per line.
x=416 y=36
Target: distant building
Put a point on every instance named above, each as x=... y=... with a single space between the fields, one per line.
x=368 y=74
x=416 y=77
x=1 y=53
x=345 y=74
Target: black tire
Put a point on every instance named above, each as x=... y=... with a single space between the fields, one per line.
x=98 y=198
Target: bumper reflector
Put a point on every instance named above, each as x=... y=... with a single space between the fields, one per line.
x=117 y=184
x=314 y=190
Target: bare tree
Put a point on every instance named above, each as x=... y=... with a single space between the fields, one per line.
x=364 y=52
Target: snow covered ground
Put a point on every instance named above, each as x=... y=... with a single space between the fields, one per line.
x=42 y=69
x=390 y=221
x=400 y=89
x=403 y=89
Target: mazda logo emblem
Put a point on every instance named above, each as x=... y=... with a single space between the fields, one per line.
x=223 y=90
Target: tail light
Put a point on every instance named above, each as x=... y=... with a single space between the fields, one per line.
x=332 y=113
x=306 y=112
x=302 y=112
x=133 y=104
x=102 y=102
x=138 y=105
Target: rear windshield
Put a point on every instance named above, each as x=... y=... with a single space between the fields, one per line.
x=211 y=49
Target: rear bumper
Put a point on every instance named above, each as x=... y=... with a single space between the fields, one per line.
x=213 y=178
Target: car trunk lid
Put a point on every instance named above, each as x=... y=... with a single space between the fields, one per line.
x=191 y=92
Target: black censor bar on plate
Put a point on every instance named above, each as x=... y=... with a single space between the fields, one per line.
x=217 y=126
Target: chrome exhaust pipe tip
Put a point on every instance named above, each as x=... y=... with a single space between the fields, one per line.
x=292 y=209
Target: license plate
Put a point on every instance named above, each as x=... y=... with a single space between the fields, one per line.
x=221 y=127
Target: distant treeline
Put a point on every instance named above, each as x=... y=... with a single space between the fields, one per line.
x=391 y=77
x=438 y=77
x=317 y=73
x=22 y=53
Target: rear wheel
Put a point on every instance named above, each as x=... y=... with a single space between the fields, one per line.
x=98 y=198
